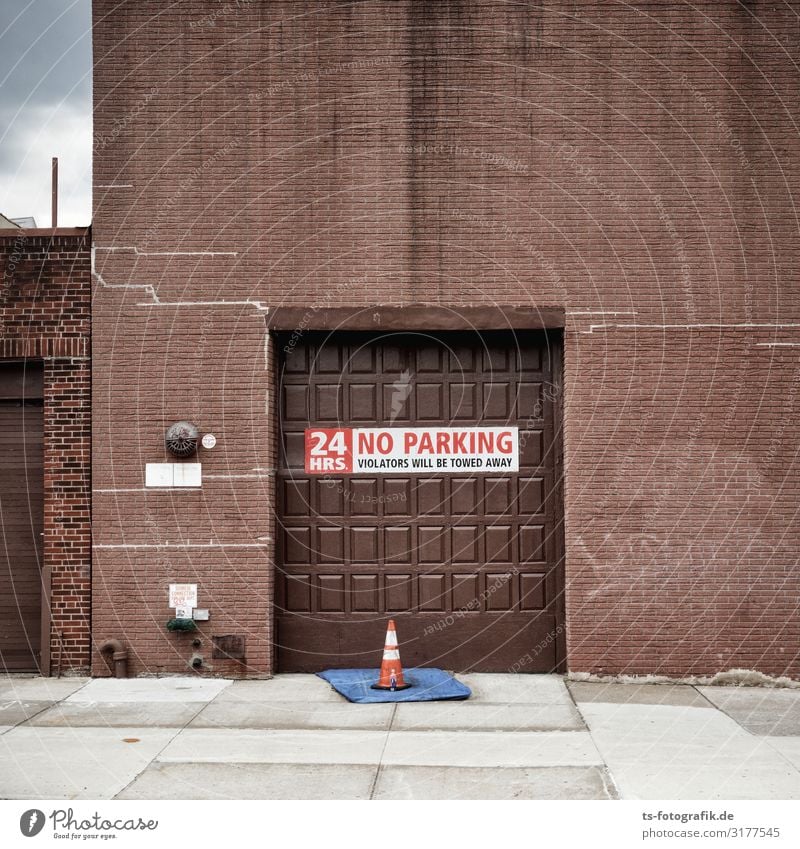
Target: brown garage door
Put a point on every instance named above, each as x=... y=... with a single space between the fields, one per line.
x=21 y=482
x=469 y=565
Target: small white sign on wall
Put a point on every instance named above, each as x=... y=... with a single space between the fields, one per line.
x=187 y=474
x=173 y=474
x=158 y=474
x=183 y=595
x=183 y=612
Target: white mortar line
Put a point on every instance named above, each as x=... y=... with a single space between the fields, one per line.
x=184 y=545
x=747 y=326
x=99 y=277
x=166 y=253
x=136 y=489
x=158 y=303
x=238 y=477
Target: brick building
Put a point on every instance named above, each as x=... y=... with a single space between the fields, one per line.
x=45 y=463
x=576 y=220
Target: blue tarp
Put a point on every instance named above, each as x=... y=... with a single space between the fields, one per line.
x=428 y=685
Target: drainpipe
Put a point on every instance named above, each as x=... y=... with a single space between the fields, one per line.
x=119 y=656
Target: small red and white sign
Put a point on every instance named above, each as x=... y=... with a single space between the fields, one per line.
x=411 y=449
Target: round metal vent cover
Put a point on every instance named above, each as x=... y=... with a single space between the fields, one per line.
x=181 y=439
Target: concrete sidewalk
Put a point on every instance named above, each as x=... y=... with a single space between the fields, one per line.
x=293 y=737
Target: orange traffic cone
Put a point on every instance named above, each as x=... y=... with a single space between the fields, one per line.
x=391 y=668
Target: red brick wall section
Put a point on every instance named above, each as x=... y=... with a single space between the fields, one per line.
x=215 y=368
x=635 y=164
x=45 y=309
x=682 y=470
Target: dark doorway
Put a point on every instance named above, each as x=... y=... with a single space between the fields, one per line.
x=21 y=516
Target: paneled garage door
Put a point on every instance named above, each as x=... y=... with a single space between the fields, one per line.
x=21 y=505
x=468 y=565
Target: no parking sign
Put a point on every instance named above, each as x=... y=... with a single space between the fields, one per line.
x=411 y=449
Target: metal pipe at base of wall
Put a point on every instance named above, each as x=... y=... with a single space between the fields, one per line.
x=119 y=656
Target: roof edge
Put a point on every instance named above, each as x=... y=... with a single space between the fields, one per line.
x=39 y=232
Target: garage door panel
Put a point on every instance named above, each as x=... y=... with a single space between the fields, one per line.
x=295 y=403
x=397 y=401
x=529 y=358
x=531 y=450
x=363 y=403
x=529 y=401
x=465 y=592
x=499 y=544
x=16 y=518
x=330 y=545
x=328 y=403
x=464 y=495
x=463 y=401
x=430 y=402
x=429 y=358
x=432 y=548
x=397 y=543
x=463 y=360
x=432 y=591
x=296 y=497
x=496 y=400
x=364 y=545
x=362 y=496
x=327 y=359
x=362 y=359
x=295 y=359
x=297 y=592
x=467 y=564
x=330 y=496
x=398 y=592
x=495 y=359
x=532 y=591
x=465 y=544
x=297 y=545
x=365 y=593
x=331 y=593
x=397 y=497
x=532 y=543
x=430 y=497
x=293 y=450
x=395 y=359
x=499 y=593
x=531 y=495
x=497 y=496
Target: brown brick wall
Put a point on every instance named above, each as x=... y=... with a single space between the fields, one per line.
x=45 y=315
x=635 y=164
x=213 y=369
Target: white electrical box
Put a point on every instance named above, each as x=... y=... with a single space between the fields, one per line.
x=187 y=474
x=173 y=474
x=158 y=474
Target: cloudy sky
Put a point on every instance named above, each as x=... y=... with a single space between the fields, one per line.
x=46 y=108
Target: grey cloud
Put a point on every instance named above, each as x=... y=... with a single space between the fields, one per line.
x=45 y=106
x=45 y=52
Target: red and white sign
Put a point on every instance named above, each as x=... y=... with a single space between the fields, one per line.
x=183 y=595
x=372 y=450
